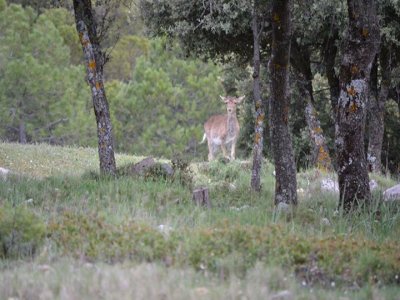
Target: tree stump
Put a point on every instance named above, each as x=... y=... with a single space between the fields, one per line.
x=201 y=198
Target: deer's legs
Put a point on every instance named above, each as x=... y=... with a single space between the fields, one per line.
x=233 y=150
x=223 y=148
x=210 y=150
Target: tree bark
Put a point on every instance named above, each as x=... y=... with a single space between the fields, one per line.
x=259 y=107
x=359 y=49
x=95 y=60
x=285 y=168
x=320 y=152
x=377 y=111
x=22 y=131
x=22 y=139
x=300 y=59
x=329 y=56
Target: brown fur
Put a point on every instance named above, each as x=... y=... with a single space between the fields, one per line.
x=223 y=130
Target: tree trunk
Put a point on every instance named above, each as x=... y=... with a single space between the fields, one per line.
x=329 y=56
x=21 y=123
x=300 y=59
x=95 y=59
x=320 y=152
x=22 y=132
x=359 y=49
x=377 y=112
x=259 y=108
x=285 y=168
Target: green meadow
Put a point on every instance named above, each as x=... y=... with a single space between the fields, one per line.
x=68 y=233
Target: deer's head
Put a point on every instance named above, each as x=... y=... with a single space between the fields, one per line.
x=231 y=103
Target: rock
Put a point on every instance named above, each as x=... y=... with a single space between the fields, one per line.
x=164 y=229
x=300 y=191
x=325 y=222
x=392 y=194
x=373 y=185
x=148 y=167
x=4 y=173
x=282 y=295
x=141 y=167
x=329 y=185
x=169 y=171
x=239 y=208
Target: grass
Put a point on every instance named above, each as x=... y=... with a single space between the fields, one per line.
x=118 y=237
x=42 y=161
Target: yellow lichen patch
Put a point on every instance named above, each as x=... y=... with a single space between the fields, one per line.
x=257 y=138
x=365 y=32
x=318 y=130
x=92 y=64
x=82 y=39
x=353 y=107
x=351 y=91
x=98 y=85
x=354 y=69
x=260 y=119
x=323 y=159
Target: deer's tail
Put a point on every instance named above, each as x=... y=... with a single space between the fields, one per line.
x=204 y=138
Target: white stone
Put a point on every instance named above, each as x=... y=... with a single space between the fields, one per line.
x=4 y=173
x=329 y=185
x=392 y=194
x=164 y=228
x=373 y=185
x=282 y=295
x=300 y=191
x=232 y=187
x=239 y=208
x=325 y=222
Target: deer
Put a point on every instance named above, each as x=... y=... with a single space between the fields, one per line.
x=223 y=130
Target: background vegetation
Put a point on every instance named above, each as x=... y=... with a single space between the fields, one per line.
x=159 y=96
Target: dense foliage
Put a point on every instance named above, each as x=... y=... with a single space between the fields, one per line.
x=42 y=94
x=159 y=94
x=162 y=108
x=159 y=98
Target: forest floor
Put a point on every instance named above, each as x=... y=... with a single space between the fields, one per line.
x=67 y=233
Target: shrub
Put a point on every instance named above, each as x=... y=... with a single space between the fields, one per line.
x=92 y=237
x=21 y=232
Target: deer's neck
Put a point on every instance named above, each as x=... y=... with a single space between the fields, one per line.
x=232 y=121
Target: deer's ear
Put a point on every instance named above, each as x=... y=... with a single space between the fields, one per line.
x=223 y=98
x=240 y=99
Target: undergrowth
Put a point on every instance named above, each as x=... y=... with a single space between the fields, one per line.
x=141 y=220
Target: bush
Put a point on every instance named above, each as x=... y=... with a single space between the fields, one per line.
x=21 y=232
x=91 y=237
